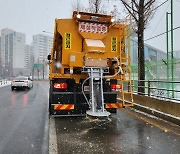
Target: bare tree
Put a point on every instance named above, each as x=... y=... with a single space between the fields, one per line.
x=142 y=12
x=94 y=6
x=115 y=12
x=77 y=6
x=97 y=6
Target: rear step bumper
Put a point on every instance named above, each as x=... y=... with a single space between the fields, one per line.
x=74 y=103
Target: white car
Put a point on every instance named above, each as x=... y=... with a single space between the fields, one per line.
x=21 y=82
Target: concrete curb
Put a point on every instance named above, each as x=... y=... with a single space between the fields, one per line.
x=158 y=114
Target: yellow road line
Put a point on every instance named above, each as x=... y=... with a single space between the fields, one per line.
x=152 y=123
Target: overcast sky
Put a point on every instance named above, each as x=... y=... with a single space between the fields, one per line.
x=34 y=16
x=158 y=25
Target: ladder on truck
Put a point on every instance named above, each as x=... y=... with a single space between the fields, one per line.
x=126 y=91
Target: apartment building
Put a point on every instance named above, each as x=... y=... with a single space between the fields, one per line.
x=12 y=52
x=28 y=59
x=42 y=45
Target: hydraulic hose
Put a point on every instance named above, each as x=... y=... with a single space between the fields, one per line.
x=120 y=70
x=83 y=90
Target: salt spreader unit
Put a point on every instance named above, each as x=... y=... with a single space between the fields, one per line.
x=89 y=65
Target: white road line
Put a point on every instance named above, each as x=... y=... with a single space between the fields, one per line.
x=46 y=135
x=48 y=96
x=52 y=137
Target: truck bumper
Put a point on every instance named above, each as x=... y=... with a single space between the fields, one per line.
x=74 y=103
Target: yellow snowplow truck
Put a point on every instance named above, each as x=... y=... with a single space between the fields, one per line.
x=89 y=64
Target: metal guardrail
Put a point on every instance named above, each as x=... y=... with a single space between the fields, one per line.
x=3 y=82
x=166 y=90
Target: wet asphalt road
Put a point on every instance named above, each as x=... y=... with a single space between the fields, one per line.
x=24 y=129
x=24 y=120
x=120 y=134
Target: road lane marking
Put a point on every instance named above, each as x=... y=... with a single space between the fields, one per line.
x=165 y=129
x=52 y=136
x=45 y=146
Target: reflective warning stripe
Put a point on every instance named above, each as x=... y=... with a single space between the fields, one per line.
x=114 y=105
x=64 y=107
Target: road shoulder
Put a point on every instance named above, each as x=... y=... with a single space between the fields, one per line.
x=52 y=136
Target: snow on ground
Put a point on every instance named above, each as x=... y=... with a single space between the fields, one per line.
x=4 y=83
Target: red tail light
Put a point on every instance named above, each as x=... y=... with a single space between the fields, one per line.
x=60 y=86
x=116 y=86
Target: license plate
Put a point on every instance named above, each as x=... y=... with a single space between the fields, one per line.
x=86 y=88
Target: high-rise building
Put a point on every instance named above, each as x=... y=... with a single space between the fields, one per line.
x=28 y=59
x=6 y=51
x=42 y=45
x=12 y=52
